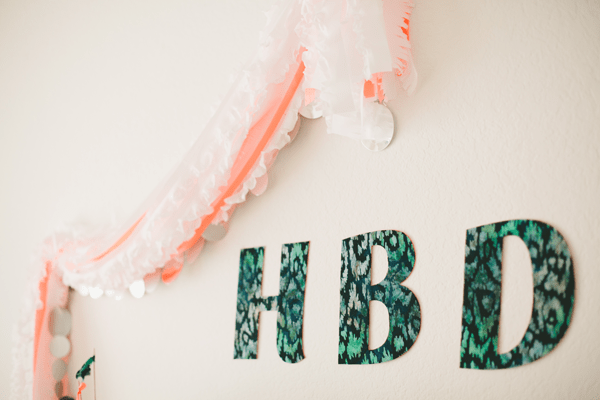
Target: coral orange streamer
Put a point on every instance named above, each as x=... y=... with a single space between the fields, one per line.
x=369 y=89
x=121 y=239
x=40 y=313
x=244 y=161
x=171 y=270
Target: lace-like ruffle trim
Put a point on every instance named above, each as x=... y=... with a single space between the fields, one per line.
x=21 y=381
x=190 y=198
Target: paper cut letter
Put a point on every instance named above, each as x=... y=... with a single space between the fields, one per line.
x=289 y=303
x=356 y=292
x=553 y=294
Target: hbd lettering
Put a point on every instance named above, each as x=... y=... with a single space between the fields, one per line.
x=553 y=297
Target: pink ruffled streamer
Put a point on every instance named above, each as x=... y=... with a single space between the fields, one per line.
x=338 y=44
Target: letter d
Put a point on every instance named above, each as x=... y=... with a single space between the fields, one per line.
x=553 y=294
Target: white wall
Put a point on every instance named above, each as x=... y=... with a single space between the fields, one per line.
x=98 y=100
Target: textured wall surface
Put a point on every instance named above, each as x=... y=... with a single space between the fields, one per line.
x=98 y=100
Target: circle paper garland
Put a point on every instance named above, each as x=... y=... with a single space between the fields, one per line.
x=59 y=325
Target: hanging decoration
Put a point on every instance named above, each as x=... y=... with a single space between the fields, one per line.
x=82 y=373
x=85 y=368
x=339 y=59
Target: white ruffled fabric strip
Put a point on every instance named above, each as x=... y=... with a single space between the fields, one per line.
x=396 y=14
x=280 y=139
x=370 y=40
x=176 y=210
x=23 y=340
x=349 y=41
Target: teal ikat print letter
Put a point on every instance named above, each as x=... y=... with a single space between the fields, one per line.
x=553 y=294
x=356 y=292
x=289 y=303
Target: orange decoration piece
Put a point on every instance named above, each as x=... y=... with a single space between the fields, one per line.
x=369 y=89
x=406 y=30
x=171 y=270
x=81 y=387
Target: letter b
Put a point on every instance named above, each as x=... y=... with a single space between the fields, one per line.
x=356 y=292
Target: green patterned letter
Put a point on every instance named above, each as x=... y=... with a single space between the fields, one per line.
x=356 y=292
x=553 y=294
x=289 y=303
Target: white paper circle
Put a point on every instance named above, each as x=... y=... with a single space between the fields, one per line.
x=59 y=369
x=58 y=388
x=59 y=322
x=375 y=145
x=212 y=233
x=82 y=290
x=96 y=293
x=137 y=289
x=312 y=111
x=60 y=346
x=378 y=129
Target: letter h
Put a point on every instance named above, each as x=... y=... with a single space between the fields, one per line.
x=289 y=303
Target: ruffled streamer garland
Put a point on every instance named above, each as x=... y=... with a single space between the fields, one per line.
x=341 y=59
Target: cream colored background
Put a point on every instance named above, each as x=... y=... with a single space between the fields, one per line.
x=99 y=99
